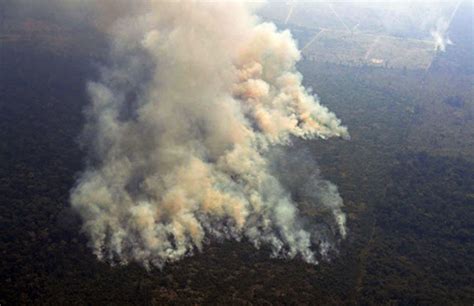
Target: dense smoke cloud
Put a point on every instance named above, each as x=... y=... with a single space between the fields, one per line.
x=181 y=130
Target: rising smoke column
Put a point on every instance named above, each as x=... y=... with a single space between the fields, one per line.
x=179 y=129
x=440 y=31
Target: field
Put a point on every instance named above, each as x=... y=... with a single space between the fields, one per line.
x=356 y=49
x=348 y=33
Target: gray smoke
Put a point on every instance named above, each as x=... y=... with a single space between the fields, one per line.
x=180 y=132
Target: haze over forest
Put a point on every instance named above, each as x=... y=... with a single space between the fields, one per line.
x=201 y=152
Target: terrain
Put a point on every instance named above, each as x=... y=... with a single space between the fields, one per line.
x=406 y=177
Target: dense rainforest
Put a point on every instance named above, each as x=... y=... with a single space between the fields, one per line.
x=406 y=177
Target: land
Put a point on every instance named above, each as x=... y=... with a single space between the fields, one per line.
x=405 y=176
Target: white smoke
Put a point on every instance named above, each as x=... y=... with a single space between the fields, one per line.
x=439 y=35
x=440 y=31
x=418 y=19
x=179 y=132
x=424 y=17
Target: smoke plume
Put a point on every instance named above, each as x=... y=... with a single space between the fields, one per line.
x=181 y=134
x=439 y=35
